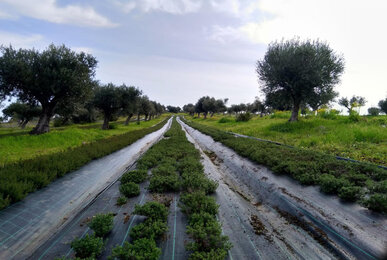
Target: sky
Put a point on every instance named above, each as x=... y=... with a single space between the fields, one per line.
x=179 y=50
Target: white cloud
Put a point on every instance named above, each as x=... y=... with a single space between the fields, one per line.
x=227 y=6
x=21 y=41
x=125 y=7
x=170 y=6
x=226 y=34
x=49 y=10
x=87 y=50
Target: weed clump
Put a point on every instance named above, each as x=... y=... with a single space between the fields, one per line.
x=130 y=189
x=102 y=224
x=88 y=246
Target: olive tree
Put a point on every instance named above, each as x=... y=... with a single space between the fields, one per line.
x=107 y=98
x=383 y=105
x=189 y=108
x=303 y=71
x=55 y=75
x=129 y=98
x=353 y=102
x=22 y=112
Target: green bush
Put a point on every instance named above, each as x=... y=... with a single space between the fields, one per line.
x=136 y=176
x=244 y=117
x=198 y=202
x=206 y=233
x=88 y=246
x=121 y=201
x=130 y=189
x=141 y=249
x=225 y=120
x=377 y=202
x=153 y=210
x=213 y=254
x=330 y=184
x=161 y=183
x=102 y=224
x=350 y=193
x=354 y=116
x=149 y=229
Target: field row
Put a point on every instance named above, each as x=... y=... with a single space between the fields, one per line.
x=360 y=182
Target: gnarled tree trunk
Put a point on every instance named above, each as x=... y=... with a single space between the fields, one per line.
x=128 y=119
x=105 y=125
x=43 y=125
x=296 y=108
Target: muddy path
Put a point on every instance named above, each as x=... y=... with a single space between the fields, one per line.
x=272 y=217
x=28 y=224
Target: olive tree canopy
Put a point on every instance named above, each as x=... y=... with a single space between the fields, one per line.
x=304 y=71
x=55 y=75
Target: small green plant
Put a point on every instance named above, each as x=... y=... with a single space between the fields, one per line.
x=141 y=249
x=136 y=176
x=153 y=210
x=198 y=202
x=224 y=120
x=130 y=189
x=121 y=201
x=102 y=224
x=330 y=184
x=244 y=117
x=161 y=183
x=88 y=246
x=350 y=193
x=149 y=229
x=377 y=202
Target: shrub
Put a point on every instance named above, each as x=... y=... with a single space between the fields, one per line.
x=153 y=210
x=377 y=202
x=244 y=117
x=328 y=114
x=349 y=193
x=121 y=201
x=102 y=224
x=195 y=181
x=160 y=183
x=198 y=202
x=88 y=246
x=136 y=176
x=149 y=229
x=141 y=249
x=4 y=202
x=130 y=189
x=330 y=184
x=354 y=116
x=213 y=254
x=224 y=120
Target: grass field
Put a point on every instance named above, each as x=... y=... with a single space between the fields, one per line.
x=17 y=144
x=365 y=140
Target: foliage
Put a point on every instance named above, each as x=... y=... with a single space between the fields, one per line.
x=20 y=178
x=140 y=249
x=244 y=117
x=53 y=76
x=302 y=72
x=121 y=201
x=198 y=202
x=136 y=176
x=383 y=105
x=88 y=246
x=152 y=210
x=377 y=202
x=225 y=120
x=373 y=111
x=22 y=112
x=350 y=104
x=102 y=224
x=130 y=189
x=152 y=229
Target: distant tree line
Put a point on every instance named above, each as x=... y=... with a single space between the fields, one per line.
x=60 y=83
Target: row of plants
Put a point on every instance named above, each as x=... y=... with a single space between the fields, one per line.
x=176 y=166
x=144 y=236
x=20 y=178
x=361 y=182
